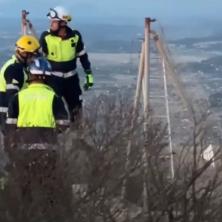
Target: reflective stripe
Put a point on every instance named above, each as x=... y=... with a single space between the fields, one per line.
x=12 y=86
x=38 y=72
x=37 y=146
x=3 y=109
x=11 y=121
x=63 y=122
x=90 y=78
x=81 y=53
x=64 y=74
x=15 y=81
x=66 y=106
x=34 y=146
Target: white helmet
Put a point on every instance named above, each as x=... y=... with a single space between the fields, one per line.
x=59 y=13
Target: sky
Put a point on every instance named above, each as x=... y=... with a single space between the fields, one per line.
x=105 y=9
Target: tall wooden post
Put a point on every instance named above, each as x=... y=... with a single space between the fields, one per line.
x=135 y=110
x=147 y=29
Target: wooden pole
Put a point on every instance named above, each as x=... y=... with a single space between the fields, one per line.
x=134 y=115
x=23 y=22
x=148 y=22
x=168 y=119
x=140 y=78
x=146 y=66
x=27 y=27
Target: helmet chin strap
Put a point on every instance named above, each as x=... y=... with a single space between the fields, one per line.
x=62 y=23
x=20 y=57
x=61 y=32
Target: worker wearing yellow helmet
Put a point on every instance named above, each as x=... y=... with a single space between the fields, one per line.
x=62 y=47
x=13 y=72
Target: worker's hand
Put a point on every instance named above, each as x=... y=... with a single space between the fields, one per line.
x=89 y=81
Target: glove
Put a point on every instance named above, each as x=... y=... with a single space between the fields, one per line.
x=89 y=81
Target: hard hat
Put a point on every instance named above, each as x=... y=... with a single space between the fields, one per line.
x=39 y=66
x=59 y=13
x=27 y=43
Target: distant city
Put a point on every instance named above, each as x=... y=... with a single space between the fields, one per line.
x=197 y=53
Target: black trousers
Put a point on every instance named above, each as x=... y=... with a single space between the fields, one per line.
x=3 y=117
x=40 y=185
x=37 y=177
x=69 y=89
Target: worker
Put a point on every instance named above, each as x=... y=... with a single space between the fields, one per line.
x=34 y=114
x=13 y=73
x=37 y=107
x=62 y=46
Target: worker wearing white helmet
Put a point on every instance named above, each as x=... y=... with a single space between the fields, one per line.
x=63 y=46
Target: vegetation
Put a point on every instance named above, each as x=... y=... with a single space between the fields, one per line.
x=88 y=180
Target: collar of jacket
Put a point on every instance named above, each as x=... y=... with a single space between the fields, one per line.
x=68 y=30
x=39 y=85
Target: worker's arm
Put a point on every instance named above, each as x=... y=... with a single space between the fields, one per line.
x=83 y=56
x=14 y=77
x=43 y=42
x=13 y=111
x=61 y=113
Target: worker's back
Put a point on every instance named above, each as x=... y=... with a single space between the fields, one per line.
x=36 y=111
x=35 y=107
x=34 y=115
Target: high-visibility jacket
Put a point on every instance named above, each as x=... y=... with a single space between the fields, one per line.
x=63 y=53
x=12 y=78
x=12 y=75
x=36 y=111
x=37 y=106
x=2 y=77
x=60 y=50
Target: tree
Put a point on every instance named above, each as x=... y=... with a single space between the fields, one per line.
x=91 y=171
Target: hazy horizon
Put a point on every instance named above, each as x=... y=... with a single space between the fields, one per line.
x=179 y=18
x=164 y=10
x=99 y=27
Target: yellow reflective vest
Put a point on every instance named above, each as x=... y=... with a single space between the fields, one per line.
x=60 y=50
x=36 y=106
x=2 y=78
x=2 y=74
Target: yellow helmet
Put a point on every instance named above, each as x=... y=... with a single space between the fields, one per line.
x=27 y=43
